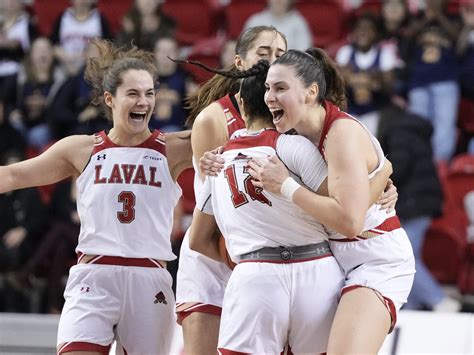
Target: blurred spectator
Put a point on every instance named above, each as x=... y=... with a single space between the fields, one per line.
x=73 y=30
x=465 y=49
x=282 y=15
x=174 y=85
x=29 y=93
x=10 y=139
x=227 y=53
x=72 y=111
x=405 y=138
x=465 y=52
x=56 y=250
x=144 y=23
x=23 y=222
x=367 y=66
x=395 y=29
x=433 y=89
x=16 y=34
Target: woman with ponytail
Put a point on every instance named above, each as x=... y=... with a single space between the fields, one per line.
x=305 y=93
x=126 y=193
x=215 y=115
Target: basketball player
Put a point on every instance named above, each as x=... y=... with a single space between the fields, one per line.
x=201 y=281
x=305 y=93
x=126 y=192
x=284 y=260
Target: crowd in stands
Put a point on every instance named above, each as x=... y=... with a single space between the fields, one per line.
x=409 y=72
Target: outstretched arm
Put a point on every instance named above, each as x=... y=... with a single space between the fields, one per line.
x=66 y=158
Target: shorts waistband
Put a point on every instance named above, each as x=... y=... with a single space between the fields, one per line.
x=388 y=225
x=119 y=260
x=287 y=255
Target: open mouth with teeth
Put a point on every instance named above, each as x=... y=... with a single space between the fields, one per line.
x=138 y=116
x=277 y=115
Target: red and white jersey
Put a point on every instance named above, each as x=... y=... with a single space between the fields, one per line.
x=125 y=200
x=375 y=215
x=234 y=123
x=250 y=218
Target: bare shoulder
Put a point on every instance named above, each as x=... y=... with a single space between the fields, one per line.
x=344 y=129
x=75 y=149
x=211 y=116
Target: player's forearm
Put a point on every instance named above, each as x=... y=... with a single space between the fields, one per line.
x=328 y=211
x=6 y=179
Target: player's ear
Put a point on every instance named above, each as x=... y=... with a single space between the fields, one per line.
x=312 y=93
x=108 y=98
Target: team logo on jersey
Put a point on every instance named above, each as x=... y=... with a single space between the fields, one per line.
x=101 y=156
x=160 y=298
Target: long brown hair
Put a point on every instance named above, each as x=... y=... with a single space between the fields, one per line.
x=104 y=72
x=221 y=85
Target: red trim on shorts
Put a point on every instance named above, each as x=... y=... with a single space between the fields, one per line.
x=388 y=225
x=291 y=261
x=83 y=346
x=222 y=351
x=198 y=308
x=118 y=260
x=388 y=303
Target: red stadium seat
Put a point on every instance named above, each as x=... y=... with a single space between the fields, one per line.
x=237 y=13
x=206 y=51
x=196 y=19
x=460 y=178
x=466 y=115
x=47 y=11
x=326 y=19
x=114 y=12
x=444 y=250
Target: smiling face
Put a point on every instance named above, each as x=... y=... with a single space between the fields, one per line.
x=133 y=103
x=286 y=97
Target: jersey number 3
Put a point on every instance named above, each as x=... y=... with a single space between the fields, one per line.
x=238 y=197
x=128 y=199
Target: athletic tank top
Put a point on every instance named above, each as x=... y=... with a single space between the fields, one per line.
x=125 y=200
x=375 y=215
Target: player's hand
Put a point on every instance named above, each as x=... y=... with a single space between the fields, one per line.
x=268 y=174
x=389 y=197
x=211 y=163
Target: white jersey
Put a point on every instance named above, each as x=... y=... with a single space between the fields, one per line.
x=375 y=215
x=124 y=199
x=235 y=202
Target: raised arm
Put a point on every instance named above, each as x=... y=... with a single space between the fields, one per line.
x=66 y=158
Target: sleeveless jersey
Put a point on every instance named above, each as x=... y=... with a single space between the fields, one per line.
x=234 y=123
x=375 y=215
x=125 y=199
x=245 y=215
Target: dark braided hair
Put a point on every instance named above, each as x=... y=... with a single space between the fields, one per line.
x=234 y=73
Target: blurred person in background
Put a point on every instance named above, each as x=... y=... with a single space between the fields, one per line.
x=23 y=223
x=17 y=31
x=433 y=89
x=367 y=66
x=29 y=94
x=144 y=23
x=72 y=31
x=174 y=86
x=55 y=252
x=72 y=110
x=282 y=15
x=465 y=52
